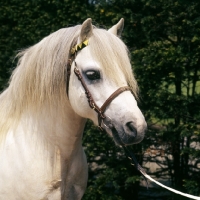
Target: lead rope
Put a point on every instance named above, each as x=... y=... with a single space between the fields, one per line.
x=134 y=162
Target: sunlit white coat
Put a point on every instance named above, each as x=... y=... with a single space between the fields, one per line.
x=41 y=154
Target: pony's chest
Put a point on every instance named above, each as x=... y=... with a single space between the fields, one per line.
x=28 y=171
x=33 y=171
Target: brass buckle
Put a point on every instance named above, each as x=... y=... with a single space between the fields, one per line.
x=100 y=128
x=93 y=106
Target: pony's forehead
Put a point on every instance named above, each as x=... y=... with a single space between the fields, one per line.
x=106 y=52
x=105 y=37
x=106 y=46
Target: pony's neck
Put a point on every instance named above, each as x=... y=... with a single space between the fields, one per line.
x=60 y=128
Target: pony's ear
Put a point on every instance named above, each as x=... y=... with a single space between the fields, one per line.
x=118 y=28
x=86 y=30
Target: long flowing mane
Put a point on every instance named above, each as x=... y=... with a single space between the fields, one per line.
x=40 y=76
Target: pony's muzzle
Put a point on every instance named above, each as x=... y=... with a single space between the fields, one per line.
x=126 y=135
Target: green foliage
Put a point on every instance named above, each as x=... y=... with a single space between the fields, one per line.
x=24 y=23
x=167 y=69
x=110 y=174
x=164 y=42
x=192 y=187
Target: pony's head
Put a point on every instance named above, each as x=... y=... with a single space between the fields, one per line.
x=104 y=66
x=38 y=84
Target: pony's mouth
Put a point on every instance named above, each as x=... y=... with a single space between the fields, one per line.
x=123 y=138
x=108 y=125
x=116 y=137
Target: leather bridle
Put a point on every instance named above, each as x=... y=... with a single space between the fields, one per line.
x=100 y=110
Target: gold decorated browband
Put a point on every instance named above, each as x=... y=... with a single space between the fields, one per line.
x=78 y=47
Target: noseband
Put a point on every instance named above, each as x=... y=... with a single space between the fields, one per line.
x=100 y=110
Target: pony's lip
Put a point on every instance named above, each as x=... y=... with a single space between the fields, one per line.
x=116 y=137
x=108 y=125
x=121 y=141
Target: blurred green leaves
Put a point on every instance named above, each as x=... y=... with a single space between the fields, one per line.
x=164 y=42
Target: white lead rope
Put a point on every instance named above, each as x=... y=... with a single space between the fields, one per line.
x=168 y=188
x=134 y=162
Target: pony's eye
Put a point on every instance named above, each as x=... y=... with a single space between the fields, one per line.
x=92 y=75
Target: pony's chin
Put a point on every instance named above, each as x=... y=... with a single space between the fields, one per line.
x=123 y=139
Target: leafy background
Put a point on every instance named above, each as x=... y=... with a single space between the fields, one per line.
x=164 y=42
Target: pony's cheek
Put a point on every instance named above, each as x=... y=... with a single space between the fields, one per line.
x=80 y=105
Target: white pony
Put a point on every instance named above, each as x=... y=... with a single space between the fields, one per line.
x=41 y=155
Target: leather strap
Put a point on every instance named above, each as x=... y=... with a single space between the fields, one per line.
x=73 y=52
x=91 y=101
x=92 y=104
x=113 y=96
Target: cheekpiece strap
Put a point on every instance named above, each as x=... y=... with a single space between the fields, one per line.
x=73 y=52
x=78 y=47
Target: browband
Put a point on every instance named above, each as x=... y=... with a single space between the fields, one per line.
x=79 y=47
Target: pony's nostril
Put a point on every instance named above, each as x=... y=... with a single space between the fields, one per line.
x=132 y=129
